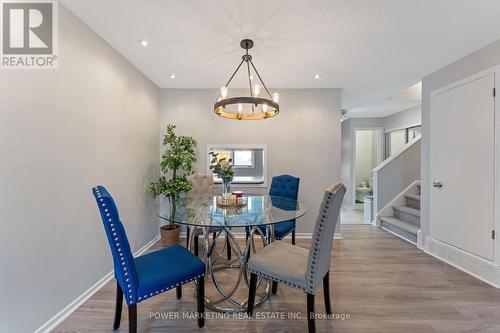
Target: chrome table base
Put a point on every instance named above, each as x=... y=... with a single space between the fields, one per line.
x=213 y=263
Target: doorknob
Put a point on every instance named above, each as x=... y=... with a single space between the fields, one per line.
x=437 y=184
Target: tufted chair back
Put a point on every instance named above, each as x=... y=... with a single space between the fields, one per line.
x=123 y=259
x=203 y=186
x=285 y=186
x=321 y=244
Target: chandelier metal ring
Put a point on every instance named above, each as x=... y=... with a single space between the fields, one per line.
x=250 y=107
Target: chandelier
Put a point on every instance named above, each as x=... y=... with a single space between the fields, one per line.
x=247 y=107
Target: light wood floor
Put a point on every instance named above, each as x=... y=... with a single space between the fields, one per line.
x=383 y=283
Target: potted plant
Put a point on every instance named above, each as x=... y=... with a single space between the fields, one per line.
x=223 y=168
x=176 y=162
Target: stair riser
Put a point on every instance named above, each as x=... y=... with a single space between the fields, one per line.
x=403 y=233
x=415 y=220
x=413 y=203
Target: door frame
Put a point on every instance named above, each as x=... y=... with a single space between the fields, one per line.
x=381 y=153
x=495 y=70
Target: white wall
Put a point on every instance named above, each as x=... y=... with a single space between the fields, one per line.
x=303 y=139
x=482 y=59
x=94 y=120
x=403 y=119
x=364 y=156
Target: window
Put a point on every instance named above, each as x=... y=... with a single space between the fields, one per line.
x=395 y=140
x=414 y=132
x=248 y=163
x=243 y=159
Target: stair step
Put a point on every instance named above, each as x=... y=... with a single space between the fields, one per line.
x=413 y=201
x=404 y=229
x=407 y=214
x=407 y=210
x=400 y=224
x=413 y=197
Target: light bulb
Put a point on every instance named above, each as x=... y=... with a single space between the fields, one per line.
x=251 y=77
x=256 y=90
x=264 y=107
x=276 y=97
x=223 y=92
x=240 y=108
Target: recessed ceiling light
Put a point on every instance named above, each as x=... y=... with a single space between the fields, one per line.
x=144 y=42
x=172 y=76
x=317 y=76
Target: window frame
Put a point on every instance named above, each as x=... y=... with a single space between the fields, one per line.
x=240 y=183
x=387 y=137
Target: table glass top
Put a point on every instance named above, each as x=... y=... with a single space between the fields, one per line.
x=258 y=210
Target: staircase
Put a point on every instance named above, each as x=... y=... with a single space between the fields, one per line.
x=405 y=219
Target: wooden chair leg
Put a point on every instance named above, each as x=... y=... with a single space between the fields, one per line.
x=178 y=292
x=274 y=287
x=195 y=245
x=118 y=307
x=293 y=237
x=187 y=237
x=201 y=301
x=228 y=248
x=251 y=293
x=311 y=325
x=132 y=318
x=326 y=292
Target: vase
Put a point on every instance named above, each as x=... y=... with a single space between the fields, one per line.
x=226 y=188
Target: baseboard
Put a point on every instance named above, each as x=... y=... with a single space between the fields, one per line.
x=420 y=240
x=66 y=311
x=469 y=263
x=399 y=236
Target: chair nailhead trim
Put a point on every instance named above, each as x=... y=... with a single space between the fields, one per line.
x=293 y=285
x=169 y=288
x=124 y=267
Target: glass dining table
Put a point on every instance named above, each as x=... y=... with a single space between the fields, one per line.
x=210 y=221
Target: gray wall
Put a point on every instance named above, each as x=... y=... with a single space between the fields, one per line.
x=395 y=175
x=94 y=120
x=348 y=127
x=404 y=119
x=482 y=59
x=303 y=140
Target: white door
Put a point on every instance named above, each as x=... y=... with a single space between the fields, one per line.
x=462 y=166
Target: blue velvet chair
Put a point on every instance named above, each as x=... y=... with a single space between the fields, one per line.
x=288 y=187
x=148 y=275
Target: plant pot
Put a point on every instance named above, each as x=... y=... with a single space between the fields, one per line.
x=169 y=235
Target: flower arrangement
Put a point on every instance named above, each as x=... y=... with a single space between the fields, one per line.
x=222 y=167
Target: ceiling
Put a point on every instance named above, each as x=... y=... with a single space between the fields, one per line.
x=372 y=49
